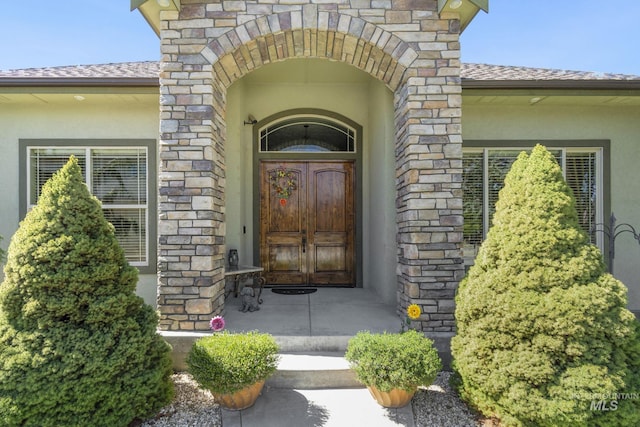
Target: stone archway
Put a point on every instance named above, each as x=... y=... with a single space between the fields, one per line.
x=364 y=45
x=405 y=44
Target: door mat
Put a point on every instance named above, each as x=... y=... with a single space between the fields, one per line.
x=293 y=291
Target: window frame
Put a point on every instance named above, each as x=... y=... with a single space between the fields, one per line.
x=149 y=145
x=602 y=148
x=264 y=131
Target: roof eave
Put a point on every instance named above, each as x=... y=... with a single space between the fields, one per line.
x=466 y=9
x=79 y=82
x=150 y=10
x=552 y=84
x=466 y=83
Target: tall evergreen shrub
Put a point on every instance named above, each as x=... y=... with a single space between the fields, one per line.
x=542 y=330
x=77 y=346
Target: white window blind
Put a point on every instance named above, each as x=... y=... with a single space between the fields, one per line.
x=44 y=162
x=582 y=176
x=473 y=201
x=116 y=176
x=484 y=171
x=498 y=164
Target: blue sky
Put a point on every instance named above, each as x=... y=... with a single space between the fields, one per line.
x=584 y=35
x=587 y=35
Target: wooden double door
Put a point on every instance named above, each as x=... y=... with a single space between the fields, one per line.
x=307 y=222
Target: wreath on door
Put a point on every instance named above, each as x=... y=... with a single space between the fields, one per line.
x=283 y=182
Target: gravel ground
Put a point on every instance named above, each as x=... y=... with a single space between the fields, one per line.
x=439 y=405
x=191 y=407
x=435 y=406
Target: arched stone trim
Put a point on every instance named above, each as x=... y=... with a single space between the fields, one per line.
x=309 y=34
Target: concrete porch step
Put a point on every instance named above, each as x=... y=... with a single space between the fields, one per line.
x=315 y=344
x=182 y=341
x=313 y=362
x=310 y=371
x=305 y=363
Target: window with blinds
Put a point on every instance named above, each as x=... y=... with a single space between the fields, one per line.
x=473 y=199
x=580 y=171
x=484 y=171
x=117 y=176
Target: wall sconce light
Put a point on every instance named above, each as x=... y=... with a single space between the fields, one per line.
x=250 y=120
x=164 y=3
x=455 y=4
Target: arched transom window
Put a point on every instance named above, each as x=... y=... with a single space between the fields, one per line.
x=307 y=134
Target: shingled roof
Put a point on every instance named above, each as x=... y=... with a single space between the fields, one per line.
x=146 y=73
x=502 y=72
x=146 y=69
x=120 y=74
x=483 y=76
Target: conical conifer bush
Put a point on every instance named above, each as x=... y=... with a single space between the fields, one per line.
x=543 y=335
x=77 y=346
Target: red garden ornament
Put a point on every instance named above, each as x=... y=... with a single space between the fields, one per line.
x=284 y=183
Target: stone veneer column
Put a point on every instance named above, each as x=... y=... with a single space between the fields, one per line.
x=429 y=181
x=191 y=182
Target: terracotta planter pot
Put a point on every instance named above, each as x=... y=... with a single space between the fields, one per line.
x=396 y=398
x=241 y=399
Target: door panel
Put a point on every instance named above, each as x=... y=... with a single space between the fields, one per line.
x=282 y=224
x=307 y=233
x=331 y=222
x=330 y=258
x=328 y=200
x=286 y=217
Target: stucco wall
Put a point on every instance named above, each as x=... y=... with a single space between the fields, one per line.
x=573 y=119
x=61 y=116
x=380 y=236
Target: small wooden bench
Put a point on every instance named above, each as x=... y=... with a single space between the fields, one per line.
x=242 y=273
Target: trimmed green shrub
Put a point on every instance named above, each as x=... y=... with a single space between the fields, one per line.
x=77 y=346
x=2 y=254
x=387 y=361
x=225 y=362
x=542 y=330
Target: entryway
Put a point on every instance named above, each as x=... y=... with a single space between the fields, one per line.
x=307 y=222
x=313 y=380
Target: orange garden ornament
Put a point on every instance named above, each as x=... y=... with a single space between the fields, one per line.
x=283 y=182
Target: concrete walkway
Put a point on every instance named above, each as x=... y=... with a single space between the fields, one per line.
x=315 y=408
x=311 y=325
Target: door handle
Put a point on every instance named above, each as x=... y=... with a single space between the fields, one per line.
x=304 y=241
